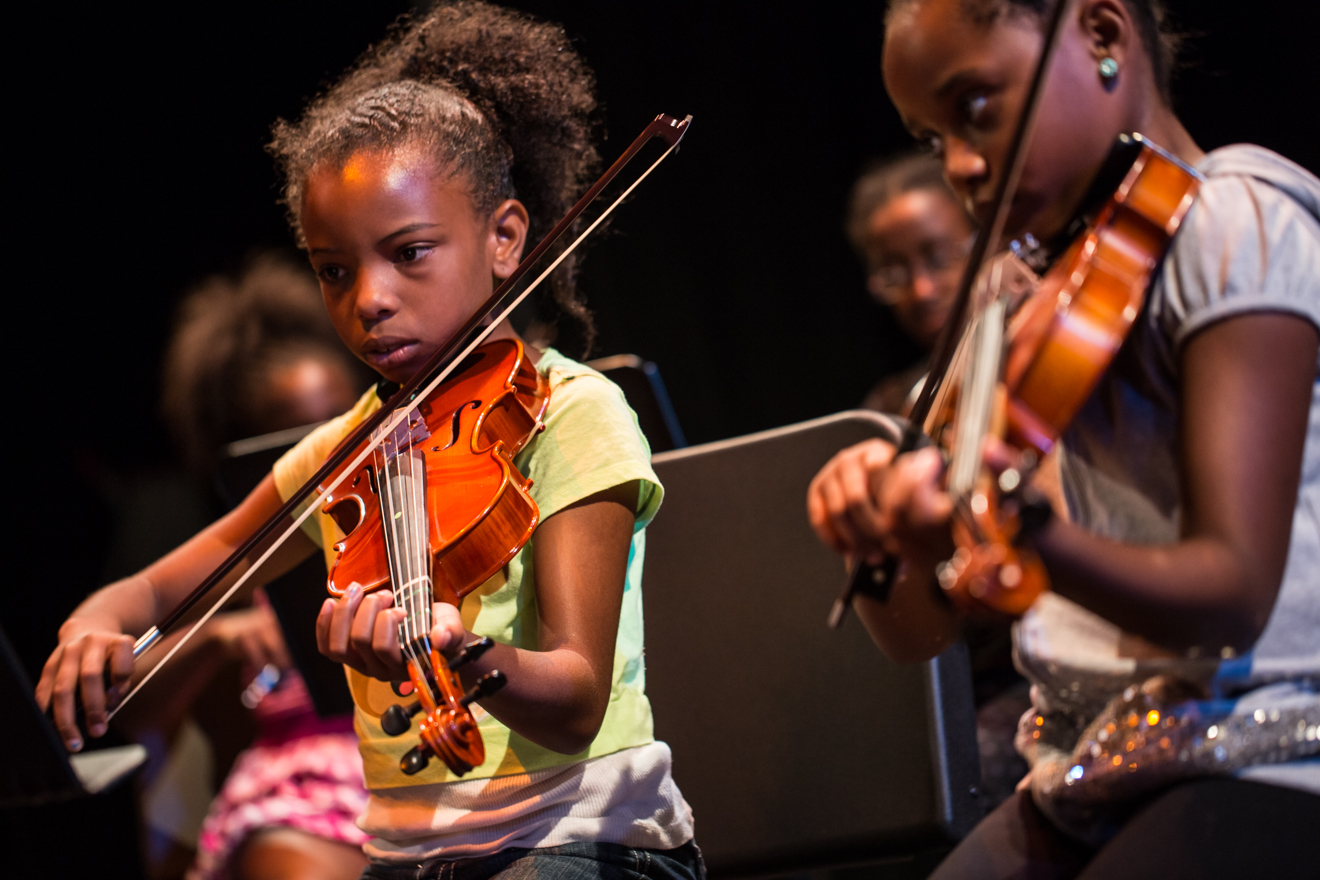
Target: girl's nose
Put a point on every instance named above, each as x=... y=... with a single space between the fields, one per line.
x=964 y=166
x=923 y=286
x=373 y=301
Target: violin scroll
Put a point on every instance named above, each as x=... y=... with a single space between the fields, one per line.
x=448 y=728
x=993 y=567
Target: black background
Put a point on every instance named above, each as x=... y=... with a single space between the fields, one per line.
x=136 y=167
x=141 y=169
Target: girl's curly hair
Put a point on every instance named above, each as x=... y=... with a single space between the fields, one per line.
x=491 y=94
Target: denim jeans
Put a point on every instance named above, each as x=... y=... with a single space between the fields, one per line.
x=572 y=861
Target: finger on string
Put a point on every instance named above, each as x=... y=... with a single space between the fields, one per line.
x=341 y=622
x=385 y=636
x=895 y=494
x=323 y=620
x=366 y=619
x=363 y=631
x=447 y=631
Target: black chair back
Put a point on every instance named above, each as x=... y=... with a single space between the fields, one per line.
x=798 y=747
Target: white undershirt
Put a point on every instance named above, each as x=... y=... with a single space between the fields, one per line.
x=628 y=798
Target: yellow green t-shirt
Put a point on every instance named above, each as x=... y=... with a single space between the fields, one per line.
x=591 y=442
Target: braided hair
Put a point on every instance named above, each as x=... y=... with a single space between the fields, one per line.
x=491 y=95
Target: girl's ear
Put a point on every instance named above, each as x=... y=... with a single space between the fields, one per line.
x=1109 y=29
x=508 y=237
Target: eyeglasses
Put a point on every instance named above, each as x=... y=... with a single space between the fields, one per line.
x=890 y=280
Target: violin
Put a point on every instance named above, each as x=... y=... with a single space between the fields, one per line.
x=1033 y=360
x=426 y=493
x=437 y=511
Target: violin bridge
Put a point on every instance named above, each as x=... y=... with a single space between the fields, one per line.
x=411 y=432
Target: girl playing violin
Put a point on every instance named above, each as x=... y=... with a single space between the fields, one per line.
x=1179 y=642
x=414 y=184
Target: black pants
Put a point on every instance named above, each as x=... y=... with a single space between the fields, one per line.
x=1208 y=829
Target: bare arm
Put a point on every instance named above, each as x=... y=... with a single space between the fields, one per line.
x=98 y=637
x=1246 y=398
x=557 y=694
x=1247 y=385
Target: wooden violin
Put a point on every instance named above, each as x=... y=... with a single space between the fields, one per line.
x=438 y=510
x=1032 y=361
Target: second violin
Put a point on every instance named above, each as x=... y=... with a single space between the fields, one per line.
x=1060 y=340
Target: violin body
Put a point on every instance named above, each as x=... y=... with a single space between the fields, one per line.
x=479 y=514
x=442 y=508
x=1059 y=343
x=1065 y=336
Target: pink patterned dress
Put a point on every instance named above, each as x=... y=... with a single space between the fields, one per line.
x=302 y=772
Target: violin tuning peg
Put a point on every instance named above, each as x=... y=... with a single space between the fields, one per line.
x=471 y=651
x=487 y=685
x=397 y=719
x=414 y=761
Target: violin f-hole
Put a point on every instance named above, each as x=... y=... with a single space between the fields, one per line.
x=347 y=512
x=456 y=424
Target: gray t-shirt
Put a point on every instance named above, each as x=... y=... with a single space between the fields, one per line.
x=1250 y=243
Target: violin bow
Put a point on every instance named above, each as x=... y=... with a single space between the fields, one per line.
x=438 y=367
x=877 y=580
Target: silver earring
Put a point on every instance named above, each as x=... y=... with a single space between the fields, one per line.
x=1108 y=68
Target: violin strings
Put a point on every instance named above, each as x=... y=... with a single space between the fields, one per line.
x=421 y=525
x=410 y=548
x=385 y=470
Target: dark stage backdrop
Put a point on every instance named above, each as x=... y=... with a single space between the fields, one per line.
x=137 y=168
x=140 y=167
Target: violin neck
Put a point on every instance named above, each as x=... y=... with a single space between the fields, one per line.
x=401 y=467
x=977 y=396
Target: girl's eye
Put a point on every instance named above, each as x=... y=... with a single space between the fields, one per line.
x=412 y=253
x=331 y=274
x=972 y=107
x=932 y=144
